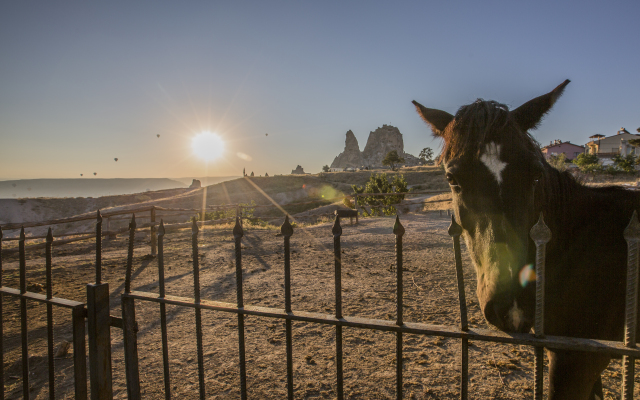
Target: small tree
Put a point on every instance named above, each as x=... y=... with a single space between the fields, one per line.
x=426 y=155
x=266 y=174
x=626 y=163
x=379 y=183
x=325 y=168
x=587 y=163
x=251 y=173
x=558 y=161
x=392 y=159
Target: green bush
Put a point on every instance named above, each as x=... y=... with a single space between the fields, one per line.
x=588 y=163
x=558 y=162
x=379 y=183
x=626 y=163
x=247 y=212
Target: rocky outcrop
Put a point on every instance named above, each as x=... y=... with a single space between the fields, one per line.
x=298 y=171
x=351 y=157
x=195 y=184
x=380 y=143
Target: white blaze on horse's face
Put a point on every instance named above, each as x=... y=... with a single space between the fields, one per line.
x=516 y=316
x=491 y=159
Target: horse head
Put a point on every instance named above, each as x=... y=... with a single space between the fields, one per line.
x=493 y=166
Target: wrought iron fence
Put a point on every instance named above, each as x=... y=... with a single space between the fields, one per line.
x=96 y=311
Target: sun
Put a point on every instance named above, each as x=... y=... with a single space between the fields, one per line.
x=208 y=146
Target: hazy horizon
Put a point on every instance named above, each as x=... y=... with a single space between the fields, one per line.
x=282 y=82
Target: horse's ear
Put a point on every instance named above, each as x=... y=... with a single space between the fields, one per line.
x=437 y=119
x=529 y=115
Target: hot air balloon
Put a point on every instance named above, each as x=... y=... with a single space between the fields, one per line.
x=80 y=174
x=266 y=134
x=116 y=159
x=158 y=135
x=95 y=173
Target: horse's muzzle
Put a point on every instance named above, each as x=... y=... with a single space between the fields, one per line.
x=507 y=316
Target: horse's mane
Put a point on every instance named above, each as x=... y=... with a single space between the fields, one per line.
x=481 y=122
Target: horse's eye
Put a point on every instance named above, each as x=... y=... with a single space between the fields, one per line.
x=451 y=179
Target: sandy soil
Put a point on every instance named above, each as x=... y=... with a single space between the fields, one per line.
x=431 y=363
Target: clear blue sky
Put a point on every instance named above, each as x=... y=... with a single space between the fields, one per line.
x=83 y=83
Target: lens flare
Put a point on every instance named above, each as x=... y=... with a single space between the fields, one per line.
x=527 y=274
x=208 y=146
x=243 y=156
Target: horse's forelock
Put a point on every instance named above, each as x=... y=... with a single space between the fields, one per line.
x=479 y=123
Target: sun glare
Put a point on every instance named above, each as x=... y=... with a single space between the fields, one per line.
x=207 y=146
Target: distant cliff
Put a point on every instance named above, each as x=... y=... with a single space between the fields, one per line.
x=380 y=143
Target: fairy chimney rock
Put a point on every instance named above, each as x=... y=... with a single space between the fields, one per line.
x=379 y=144
x=351 y=157
x=298 y=171
x=195 y=184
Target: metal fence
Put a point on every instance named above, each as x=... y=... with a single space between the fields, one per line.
x=96 y=312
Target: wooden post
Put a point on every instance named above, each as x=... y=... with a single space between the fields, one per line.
x=98 y=322
x=153 y=231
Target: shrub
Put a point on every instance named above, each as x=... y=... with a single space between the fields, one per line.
x=558 y=162
x=588 y=163
x=379 y=183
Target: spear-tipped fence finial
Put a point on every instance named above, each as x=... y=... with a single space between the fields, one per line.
x=22 y=235
x=194 y=227
x=398 y=229
x=632 y=231
x=540 y=233
x=337 y=229
x=99 y=216
x=49 y=235
x=132 y=224
x=454 y=229
x=237 y=230
x=286 y=229
x=161 y=228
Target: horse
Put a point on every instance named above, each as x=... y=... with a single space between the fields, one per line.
x=500 y=183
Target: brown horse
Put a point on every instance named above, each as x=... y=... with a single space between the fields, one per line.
x=500 y=182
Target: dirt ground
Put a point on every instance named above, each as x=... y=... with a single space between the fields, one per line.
x=431 y=364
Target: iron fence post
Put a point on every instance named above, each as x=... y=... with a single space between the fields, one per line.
x=163 y=313
x=198 y=311
x=455 y=230
x=23 y=318
x=541 y=235
x=79 y=353
x=287 y=232
x=1 y=328
x=238 y=233
x=49 y=242
x=632 y=236
x=153 y=231
x=398 y=230
x=337 y=232
x=129 y=326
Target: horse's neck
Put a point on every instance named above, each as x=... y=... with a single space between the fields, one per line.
x=569 y=206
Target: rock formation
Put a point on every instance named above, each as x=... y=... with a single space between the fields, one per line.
x=380 y=143
x=298 y=171
x=351 y=156
x=195 y=184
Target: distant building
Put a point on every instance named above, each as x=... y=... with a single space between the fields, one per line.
x=558 y=147
x=606 y=147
